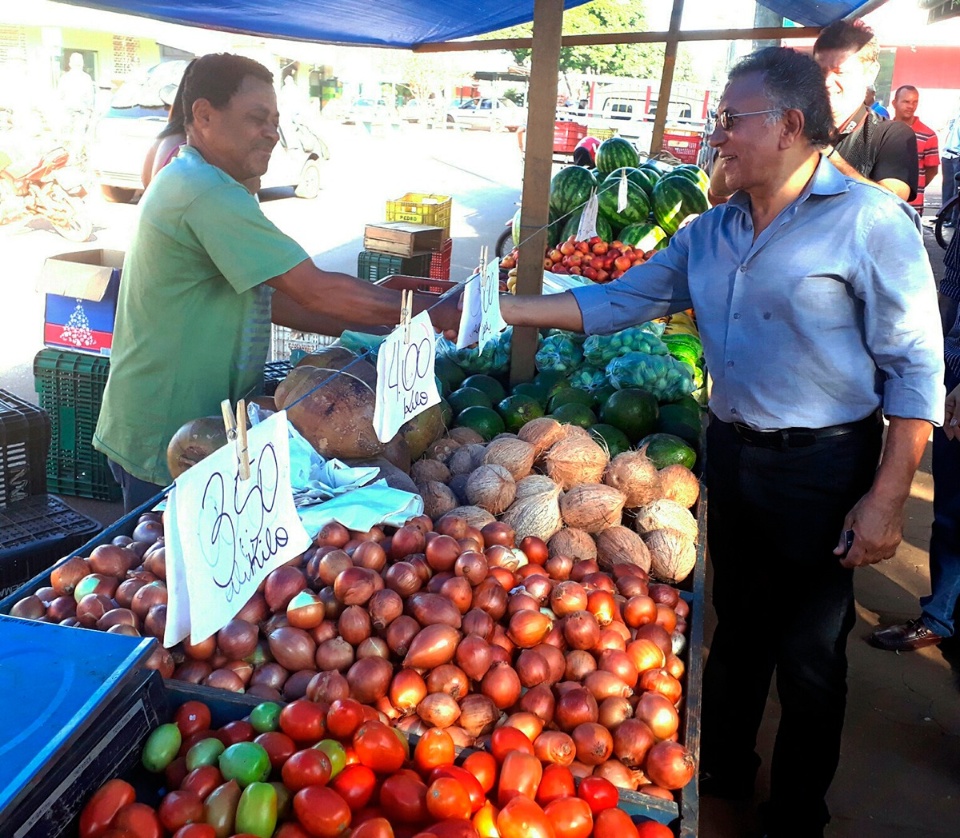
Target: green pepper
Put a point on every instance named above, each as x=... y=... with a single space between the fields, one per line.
x=161 y=748
x=257 y=810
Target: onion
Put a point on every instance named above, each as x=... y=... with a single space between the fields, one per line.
x=333 y=534
x=645 y=654
x=583 y=568
x=331 y=565
x=269 y=674
x=419 y=563
x=433 y=609
x=406 y=540
x=384 y=607
x=200 y=651
x=528 y=628
x=501 y=685
x=282 y=585
x=554 y=747
x=355 y=585
x=154 y=624
x=556 y=662
x=664 y=594
x=575 y=707
x=581 y=630
x=114 y=617
x=559 y=567
x=674 y=666
x=594 y=743
x=478 y=714
x=567 y=598
x=612 y=712
x=31 y=608
x=407 y=690
x=472 y=566
x=331 y=605
x=522 y=601
x=296 y=685
x=535 y=549
x=373 y=647
x=449 y=679
x=620 y=664
x=603 y=685
x=579 y=664
x=477 y=622
x=327 y=687
x=490 y=596
x=126 y=590
x=632 y=739
x=670 y=765
x=661 y=681
x=474 y=656
x=243 y=670
x=433 y=646
x=160 y=660
x=497 y=532
x=369 y=679
x=529 y=724
x=63 y=607
x=639 y=610
x=603 y=606
x=658 y=635
x=539 y=586
x=532 y=668
x=400 y=634
x=335 y=653
x=437 y=580
x=293 y=648
x=411 y=726
x=193 y=672
x=666 y=617
x=438 y=710
x=442 y=552
x=539 y=700
x=658 y=713
x=499 y=640
x=458 y=590
x=306 y=610
x=327 y=630
x=610 y=639
x=403 y=578
x=630 y=586
x=91 y=608
x=498 y=555
x=598 y=581
x=65 y=576
x=254 y=610
x=111 y=560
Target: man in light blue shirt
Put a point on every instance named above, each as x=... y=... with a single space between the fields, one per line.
x=814 y=299
x=950 y=166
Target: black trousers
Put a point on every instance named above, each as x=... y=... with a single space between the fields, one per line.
x=784 y=604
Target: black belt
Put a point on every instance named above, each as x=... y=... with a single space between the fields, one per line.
x=802 y=437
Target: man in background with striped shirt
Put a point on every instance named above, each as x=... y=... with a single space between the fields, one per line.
x=928 y=151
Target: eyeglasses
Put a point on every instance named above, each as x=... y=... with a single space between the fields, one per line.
x=727 y=120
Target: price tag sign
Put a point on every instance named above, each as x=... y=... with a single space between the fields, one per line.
x=469 y=331
x=491 y=321
x=406 y=384
x=227 y=534
x=623 y=195
x=588 y=221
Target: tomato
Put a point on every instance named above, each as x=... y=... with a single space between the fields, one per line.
x=344 y=717
x=403 y=798
x=179 y=808
x=195 y=830
x=451 y=828
x=192 y=717
x=335 y=753
x=379 y=747
x=303 y=721
x=434 y=748
x=613 y=823
x=447 y=798
x=309 y=767
x=321 y=811
x=557 y=782
x=505 y=739
x=484 y=767
x=139 y=819
x=279 y=747
x=257 y=810
x=519 y=777
x=599 y=793
x=205 y=752
x=202 y=780
x=470 y=783
x=101 y=809
x=485 y=821
x=571 y=817
x=161 y=747
x=652 y=829
x=220 y=808
x=373 y=828
x=291 y=830
x=238 y=731
x=245 y=762
x=175 y=773
x=284 y=800
x=522 y=818
x=355 y=784
x=265 y=717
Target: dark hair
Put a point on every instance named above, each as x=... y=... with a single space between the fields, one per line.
x=175 y=119
x=216 y=78
x=849 y=35
x=792 y=80
x=903 y=87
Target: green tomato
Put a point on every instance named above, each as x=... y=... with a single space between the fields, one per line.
x=161 y=748
x=265 y=717
x=205 y=752
x=335 y=753
x=245 y=762
x=257 y=810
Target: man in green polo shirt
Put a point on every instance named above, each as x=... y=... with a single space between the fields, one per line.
x=205 y=276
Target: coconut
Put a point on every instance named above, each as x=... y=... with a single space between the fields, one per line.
x=195 y=440
x=636 y=476
x=438 y=499
x=678 y=483
x=395 y=477
x=577 y=544
x=576 y=459
x=426 y=427
x=473 y=515
x=542 y=433
x=465 y=436
x=666 y=514
x=427 y=471
x=515 y=455
x=537 y=515
x=592 y=507
x=442 y=449
x=534 y=484
x=620 y=545
x=672 y=555
x=466 y=459
x=491 y=487
x=458 y=485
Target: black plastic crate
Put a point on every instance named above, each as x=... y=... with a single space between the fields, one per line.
x=273 y=374
x=70 y=386
x=24 y=442
x=34 y=534
x=374 y=266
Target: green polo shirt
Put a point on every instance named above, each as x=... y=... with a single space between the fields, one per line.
x=193 y=316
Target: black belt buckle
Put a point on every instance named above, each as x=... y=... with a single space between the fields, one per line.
x=799 y=437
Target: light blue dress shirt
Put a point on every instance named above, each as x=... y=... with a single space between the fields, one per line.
x=829 y=314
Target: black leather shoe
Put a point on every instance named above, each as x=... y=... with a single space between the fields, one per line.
x=905 y=637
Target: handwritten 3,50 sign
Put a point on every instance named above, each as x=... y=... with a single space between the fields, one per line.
x=227 y=534
x=405 y=378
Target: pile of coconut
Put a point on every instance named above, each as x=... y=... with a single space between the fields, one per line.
x=556 y=482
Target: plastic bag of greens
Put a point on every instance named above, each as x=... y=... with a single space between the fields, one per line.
x=663 y=375
x=589 y=378
x=688 y=350
x=577 y=337
x=558 y=353
x=599 y=350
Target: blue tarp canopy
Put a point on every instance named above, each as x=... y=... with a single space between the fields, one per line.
x=389 y=23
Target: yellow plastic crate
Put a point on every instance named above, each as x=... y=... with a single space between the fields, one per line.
x=422 y=208
x=601 y=133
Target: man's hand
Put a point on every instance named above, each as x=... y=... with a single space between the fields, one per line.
x=878 y=530
x=951 y=418
x=445 y=312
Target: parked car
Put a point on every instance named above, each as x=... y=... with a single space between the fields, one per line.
x=422 y=111
x=370 y=111
x=490 y=113
x=138 y=112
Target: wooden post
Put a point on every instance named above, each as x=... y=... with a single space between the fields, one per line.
x=666 y=80
x=538 y=162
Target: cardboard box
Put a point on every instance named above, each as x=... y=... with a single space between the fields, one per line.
x=81 y=305
x=402 y=238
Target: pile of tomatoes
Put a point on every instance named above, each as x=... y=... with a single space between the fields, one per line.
x=306 y=770
x=594 y=259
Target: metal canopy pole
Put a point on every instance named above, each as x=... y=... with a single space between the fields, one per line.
x=666 y=80
x=538 y=162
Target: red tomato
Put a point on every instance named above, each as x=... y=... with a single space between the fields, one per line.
x=434 y=748
x=446 y=798
x=571 y=817
x=175 y=772
x=403 y=798
x=310 y=767
x=202 y=780
x=196 y=830
x=520 y=776
x=118 y=833
x=344 y=717
x=557 y=782
x=485 y=821
x=614 y=823
x=187 y=742
x=355 y=784
x=101 y=809
x=451 y=828
x=652 y=829
x=238 y=731
x=303 y=721
x=599 y=793
x=373 y=828
x=321 y=811
x=503 y=740
x=470 y=783
x=378 y=747
x=279 y=747
x=192 y=717
x=178 y=808
x=484 y=767
x=140 y=819
x=290 y=830
x=522 y=818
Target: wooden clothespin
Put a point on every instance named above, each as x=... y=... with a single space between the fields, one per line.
x=236 y=427
x=406 y=313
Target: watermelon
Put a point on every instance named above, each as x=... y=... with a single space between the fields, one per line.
x=616 y=152
x=640 y=177
x=553 y=230
x=636 y=210
x=674 y=198
x=644 y=236
x=657 y=166
x=570 y=188
x=604 y=230
x=697 y=174
x=701 y=183
x=515 y=228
